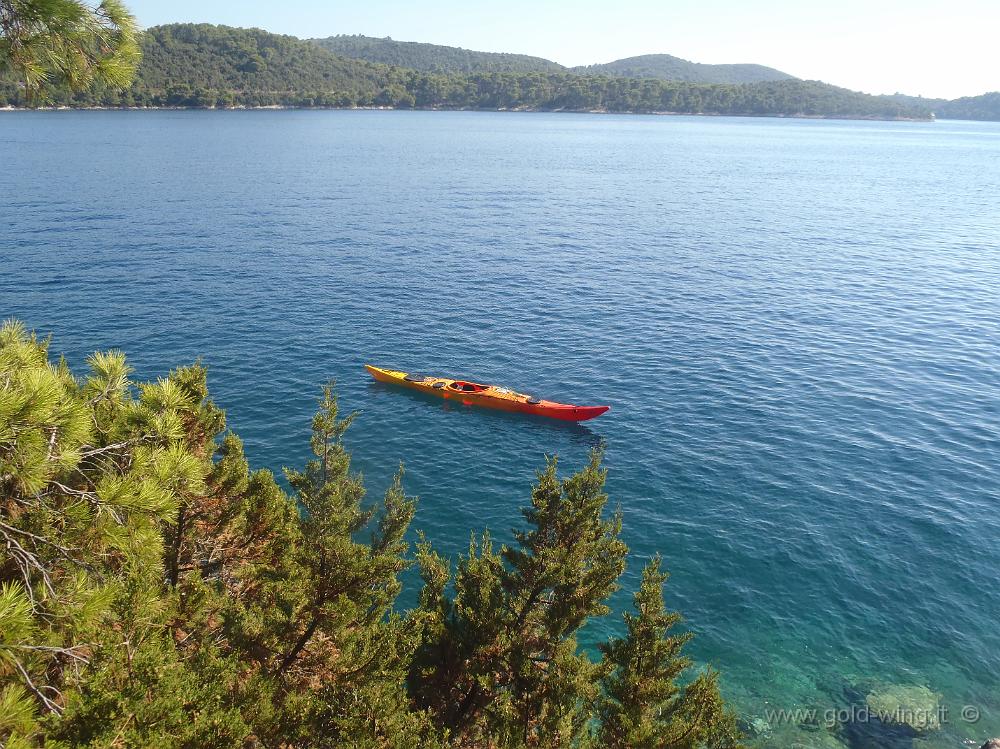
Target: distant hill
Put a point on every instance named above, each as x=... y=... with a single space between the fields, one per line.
x=670 y=68
x=200 y=65
x=983 y=107
x=434 y=58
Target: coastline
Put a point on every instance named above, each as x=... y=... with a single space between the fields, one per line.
x=798 y=116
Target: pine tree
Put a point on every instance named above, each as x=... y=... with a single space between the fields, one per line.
x=91 y=477
x=78 y=43
x=499 y=663
x=642 y=706
x=362 y=649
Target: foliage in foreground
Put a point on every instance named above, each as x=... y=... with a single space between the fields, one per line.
x=156 y=591
x=68 y=43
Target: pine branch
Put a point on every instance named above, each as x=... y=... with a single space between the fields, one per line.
x=55 y=650
x=26 y=561
x=49 y=704
x=89 y=453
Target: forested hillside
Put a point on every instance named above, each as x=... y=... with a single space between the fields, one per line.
x=226 y=58
x=670 y=68
x=984 y=107
x=433 y=58
x=205 y=65
x=188 y=65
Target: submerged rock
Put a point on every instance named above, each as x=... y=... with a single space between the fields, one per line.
x=755 y=727
x=992 y=744
x=917 y=708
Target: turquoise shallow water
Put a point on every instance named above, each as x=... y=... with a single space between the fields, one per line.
x=795 y=322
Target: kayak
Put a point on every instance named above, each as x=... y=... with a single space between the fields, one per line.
x=489 y=396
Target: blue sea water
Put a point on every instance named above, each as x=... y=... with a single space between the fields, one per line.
x=796 y=323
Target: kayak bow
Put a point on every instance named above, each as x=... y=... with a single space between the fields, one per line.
x=490 y=396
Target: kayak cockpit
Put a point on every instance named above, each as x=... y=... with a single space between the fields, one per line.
x=461 y=386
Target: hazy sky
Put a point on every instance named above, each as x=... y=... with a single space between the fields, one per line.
x=920 y=47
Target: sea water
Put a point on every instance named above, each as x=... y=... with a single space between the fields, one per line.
x=796 y=324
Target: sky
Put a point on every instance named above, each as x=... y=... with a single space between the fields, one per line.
x=927 y=48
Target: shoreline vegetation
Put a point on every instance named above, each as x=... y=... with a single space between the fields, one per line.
x=155 y=590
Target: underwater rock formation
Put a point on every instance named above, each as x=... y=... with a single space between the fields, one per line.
x=915 y=707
